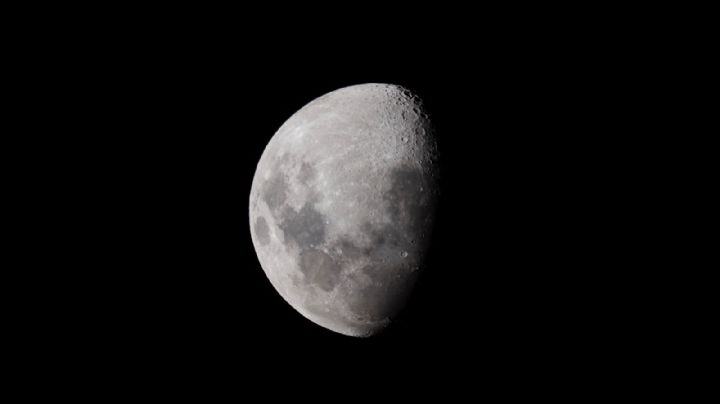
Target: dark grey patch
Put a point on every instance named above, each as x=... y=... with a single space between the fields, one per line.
x=404 y=195
x=349 y=250
x=371 y=303
x=262 y=232
x=388 y=243
x=380 y=273
x=275 y=191
x=408 y=200
x=320 y=269
x=306 y=227
x=383 y=297
x=307 y=172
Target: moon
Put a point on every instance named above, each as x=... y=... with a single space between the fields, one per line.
x=342 y=206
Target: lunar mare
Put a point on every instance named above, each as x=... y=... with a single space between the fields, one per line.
x=342 y=206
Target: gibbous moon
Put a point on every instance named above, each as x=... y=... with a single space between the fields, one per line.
x=342 y=206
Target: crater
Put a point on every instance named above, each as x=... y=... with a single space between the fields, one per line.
x=262 y=231
x=319 y=269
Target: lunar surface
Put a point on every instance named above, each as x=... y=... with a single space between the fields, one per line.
x=342 y=206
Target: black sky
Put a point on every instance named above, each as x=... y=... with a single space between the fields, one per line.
x=170 y=127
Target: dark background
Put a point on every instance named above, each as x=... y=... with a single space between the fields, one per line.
x=166 y=127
